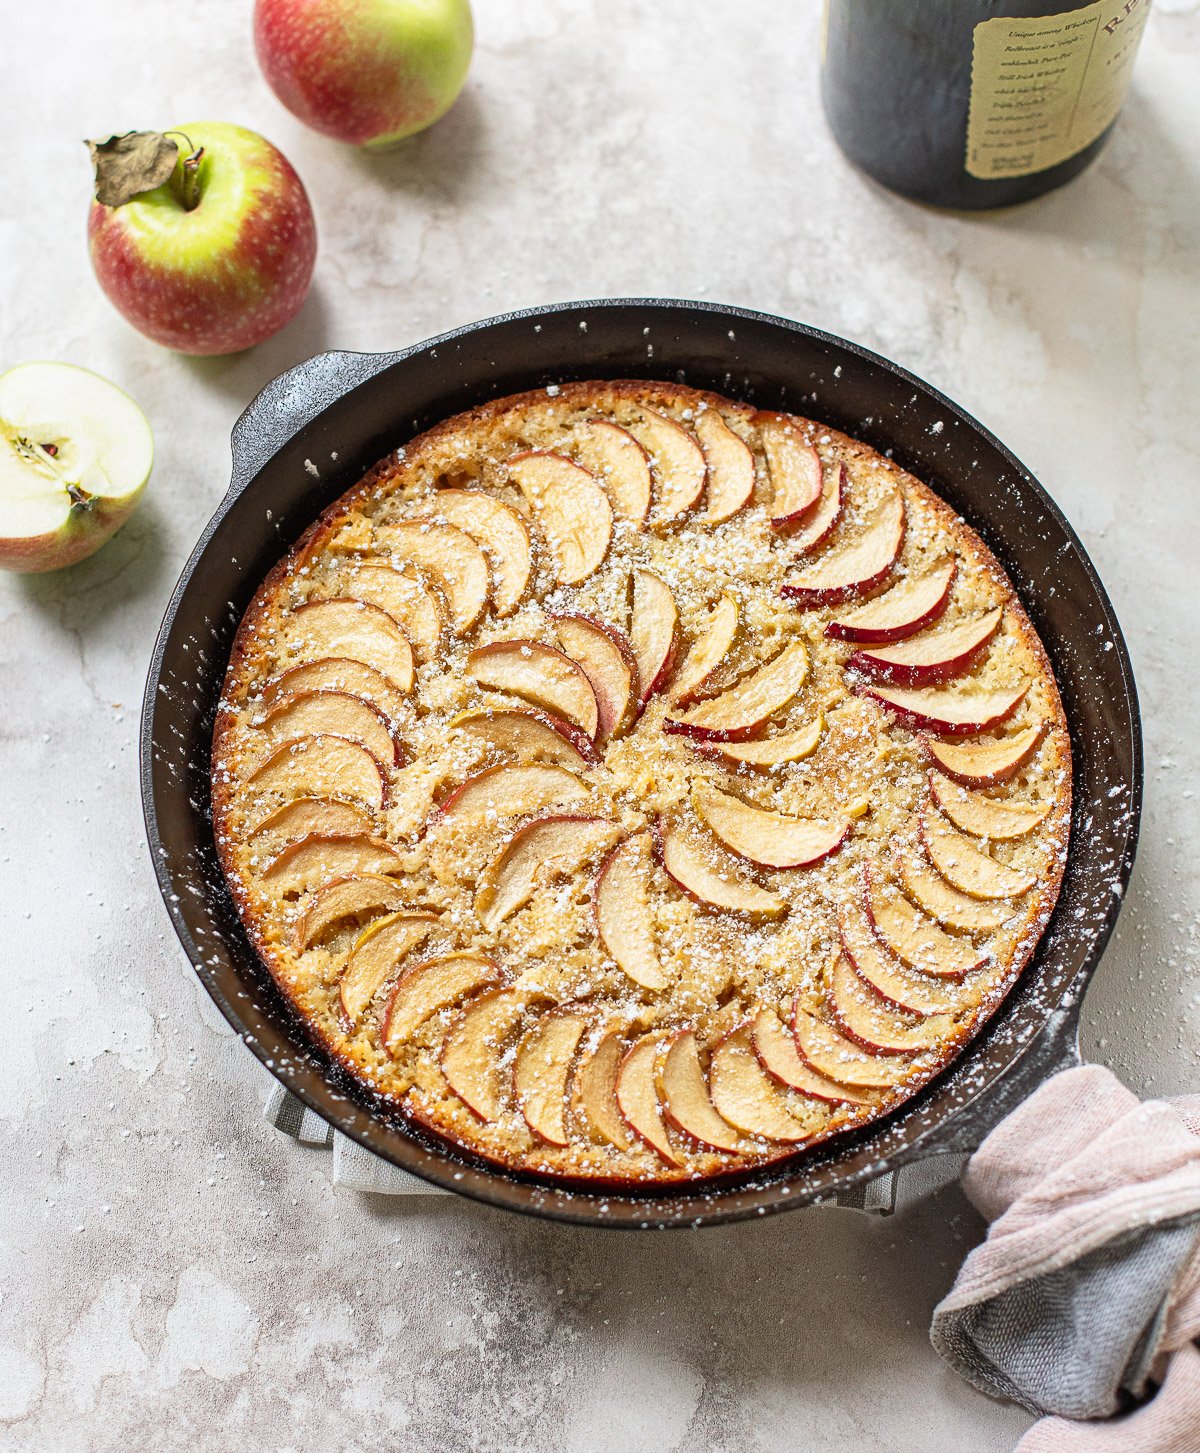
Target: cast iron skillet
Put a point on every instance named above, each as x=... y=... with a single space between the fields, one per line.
x=316 y=429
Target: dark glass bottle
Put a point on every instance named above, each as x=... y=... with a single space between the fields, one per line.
x=976 y=103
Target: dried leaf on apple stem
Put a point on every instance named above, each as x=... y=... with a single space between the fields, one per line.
x=128 y=165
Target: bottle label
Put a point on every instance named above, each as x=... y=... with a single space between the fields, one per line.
x=1044 y=87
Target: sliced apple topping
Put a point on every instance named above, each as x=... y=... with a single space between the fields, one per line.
x=874 y=1024
x=915 y=939
x=838 y=1058
x=746 y=708
x=946 y=711
x=541 y=1070
x=317 y=858
x=502 y=532
x=771 y=751
x=708 y=651
x=431 y=986
x=624 y=922
x=508 y=791
x=989 y=762
x=472 y=1050
x=530 y=735
x=711 y=881
x=747 y=1098
x=336 y=673
x=730 y=467
x=404 y=595
x=676 y=463
x=322 y=628
x=816 y=526
x=857 y=567
x=930 y=891
x=616 y=458
x=606 y=658
x=765 y=838
x=776 y=1050
x=966 y=867
x=683 y=1094
x=335 y=714
x=539 y=674
x=883 y=972
x=637 y=1096
x=304 y=815
x=378 y=952
x=901 y=611
x=541 y=851
x=933 y=657
x=653 y=632
x=985 y=816
x=323 y=767
x=795 y=470
x=594 y=1092
x=571 y=508
x=451 y=559
x=346 y=898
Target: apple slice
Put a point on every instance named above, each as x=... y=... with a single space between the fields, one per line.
x=606 y=658
x=322 y=628
x=676 y=463
x=708 y=651
x=746 y=708
x=346 y=898
x=872 y=1023
x=933 y=657
x=951 y=713
x=530 y=735
x=855 y=568
x=966 y=867
x=334 y=714
x=712 y=882
x=902 y=611
x=431 y=986
x=502 y=532
x=770 y=751
x=323 y=767
x=683 y=1094
x=377 y=952
x=540 y=674
x=336 y=673
x=985 y=816
x=594 y=1092
x=451 y=559
x=986 y=763
x=571 y=508
x=816 y=527
x=637 y=1096
x=730 y=467
x=876 y=967
x=653 y=632
x=795 y=470
x=838 y=1058
x=306 y=815
x=748 y=1099
x=776 y=1050
x=317 y=858
x=915 y=939
x=402 y=592
x=619 y=462
x=507 y=791
x=767 y=839
x=541 y=1070
x=543 y=850
x=474 y=1049
x=624 y=922
x=930 y=892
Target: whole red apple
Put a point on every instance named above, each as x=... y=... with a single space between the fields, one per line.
x=370 y=72
x=215 y=257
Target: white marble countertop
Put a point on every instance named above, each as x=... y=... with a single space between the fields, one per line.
x=173 y=1272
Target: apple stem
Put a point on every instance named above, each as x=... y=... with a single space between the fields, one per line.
x=185 y=180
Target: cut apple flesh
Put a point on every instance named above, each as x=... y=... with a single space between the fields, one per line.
x=336 y=673
x=307 y=815
x=322 y=628
x=730 y=467
x=510 y=792
x=683 y=1093
x=540 y=674
x=317 y=858
x=710 y=882
x=838 y=1058
x=637 y=1096
x=776 y=1050
x=571 y=508
x=377 y=953
x=532 y=735
x=951 y=713
x=915 y=939
x=986 y=763
x=540 y=851
x=653 y=632
x=771 y=751
x=900 y=612
x=965 y=867
x=624 y=922
x=323 y=767
x=795 y=470
x=676 y=464
x=872 y=1023
x=855 y=568
x=883 y=972
x=429 y=987
x=768 y=839
x=473 y=1048
x=816 y=527
x=932 y=657
x=746 y=708
x=451 y=559
x=608 y=662
x=747 y=1098
x=541 y=1070
x=931 y=892
x=616 y=458
x=347 y=898
x=594 y=1095
x=708 y=651
x=335 y=714
x=403 y=594
x=985 y=816
x=501 y=531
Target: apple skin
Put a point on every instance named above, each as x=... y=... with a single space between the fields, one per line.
x=227 y=274
x=87 y=527
x=367 y=72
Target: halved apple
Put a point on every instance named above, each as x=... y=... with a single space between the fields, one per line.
x=676 y=463
x=451 y=559
x=816 y=526
x=915 y=939
x=653 y=632
x=540 y=674
x=986 y=763
x=838 y=1058
x=776 y=1050
x=334 y=714
x=530 y=735
x=637 y=1096
x=508 y=791
x=594 y=1091
x=541 y=1070
x=624 y=922
x=318 y=858
x=378 y=951
x=336 y=673
x=730 y=466
x=708 y=651
x=502 y=532
x=795 y=470
x=606 y=658
x=323 y=767
x=901 y=611
x=930 y=891
x=542 y=850
x=683 y=1094
x=431 y=986
x=874 y=1024
x=857 y=567
x=306 y=815
x=619 y=462
x=473 y=1051
x=883 y=972
x=747 y=1098
x=746 y=708
x=766 y=838
x=966 y=867
x=933 y=657
x=946 y=711
x=401 y=591
x=770 y=751
x=712 y=881
x=319 y=629
x=982 y=816
x=571 y=508
x=346 y=898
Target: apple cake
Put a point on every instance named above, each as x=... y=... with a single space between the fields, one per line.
x=632 y=785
